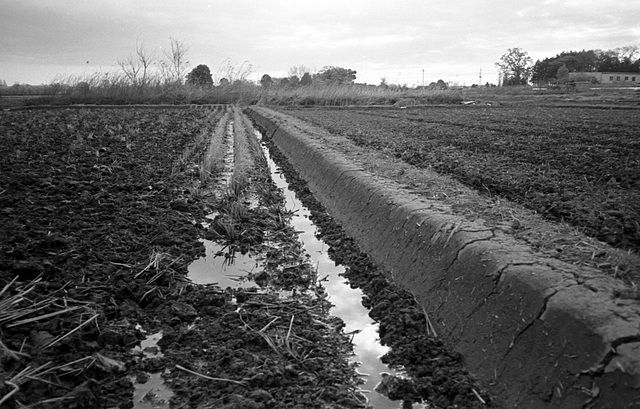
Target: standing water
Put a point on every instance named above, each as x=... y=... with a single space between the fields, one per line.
x=346 y=301
x=223 y=268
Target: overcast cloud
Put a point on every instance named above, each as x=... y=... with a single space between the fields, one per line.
x=41 y=40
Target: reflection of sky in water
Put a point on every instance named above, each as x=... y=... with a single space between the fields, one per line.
x=152 y=394
x=346 y=300
x=212 y=269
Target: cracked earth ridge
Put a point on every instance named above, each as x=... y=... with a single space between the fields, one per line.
x=437 y=374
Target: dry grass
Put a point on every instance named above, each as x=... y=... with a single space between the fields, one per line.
x=341 y=95
x=161 y=266
x=21 y=304
x=115 y=88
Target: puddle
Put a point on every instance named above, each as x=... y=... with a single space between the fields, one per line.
x=346 y=300
x=149 y=346
x=223 y=267
x=150 y=391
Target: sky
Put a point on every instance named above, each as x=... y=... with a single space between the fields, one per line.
x=404 y=42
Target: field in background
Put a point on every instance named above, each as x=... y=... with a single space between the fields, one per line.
x=572 y=164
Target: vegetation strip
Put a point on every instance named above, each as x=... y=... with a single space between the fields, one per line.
x=469 y=277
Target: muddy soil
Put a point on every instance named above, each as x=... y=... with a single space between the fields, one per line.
x=577 y=166
x=435 y=374
x=102 y=212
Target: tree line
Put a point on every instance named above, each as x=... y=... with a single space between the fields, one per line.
x=517 y=68
x=301 y=76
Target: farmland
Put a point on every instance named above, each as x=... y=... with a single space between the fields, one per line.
x=578 y=165
x=101 y=216
x=104 y=209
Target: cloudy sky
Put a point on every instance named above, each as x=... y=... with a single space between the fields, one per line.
x=41 y=40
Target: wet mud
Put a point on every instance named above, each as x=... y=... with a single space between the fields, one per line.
x=105 y=211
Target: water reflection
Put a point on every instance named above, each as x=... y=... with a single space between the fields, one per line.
x=150 y=392
x=346 y=300
x=222 y=267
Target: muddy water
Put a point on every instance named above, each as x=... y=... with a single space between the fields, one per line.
x=150 y=392
x=346 y=300
x=221 y=267
x=227 y=270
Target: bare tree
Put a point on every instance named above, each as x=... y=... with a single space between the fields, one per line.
x=146 y=59
x=299 y=71
x=136 y=67
x=628 y=51
x=234 y=73
x=174 y=67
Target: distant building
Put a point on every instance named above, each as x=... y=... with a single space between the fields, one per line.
x=607 y=78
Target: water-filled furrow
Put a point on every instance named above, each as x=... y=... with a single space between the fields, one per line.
x=346 y=300
x=227 y=268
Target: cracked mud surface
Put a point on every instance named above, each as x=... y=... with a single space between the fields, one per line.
x=437 y=374
x=573 y=165
x=548 y=239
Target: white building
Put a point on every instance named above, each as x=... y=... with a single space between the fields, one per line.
x=608 y=78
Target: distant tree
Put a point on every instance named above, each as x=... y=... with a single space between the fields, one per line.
x=608 y=61
x=562 y=75
x=383 y=83
x=627 y=52
x=294 y=81
x=266 y=81
x=136 y=68
x=284 y=82
x=200 y=76
x=174 y=66
x=224 y=81
x=3 y=83
x=627 y=65
x=576 y=60
x=306 y=79
x=516 y=66
x=298 y=71
x=440 y=84
x=336 y=75
x=543 y=71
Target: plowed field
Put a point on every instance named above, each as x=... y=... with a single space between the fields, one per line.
x=102 y=210
x=577 y=165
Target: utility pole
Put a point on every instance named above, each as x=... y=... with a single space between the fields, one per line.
x=423 y=78
x=480 y=83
